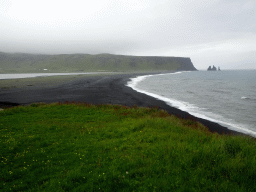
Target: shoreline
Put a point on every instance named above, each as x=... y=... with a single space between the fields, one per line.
x=176 y=104
x=110 y=89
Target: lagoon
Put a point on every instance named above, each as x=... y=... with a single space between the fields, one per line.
x=31 y=75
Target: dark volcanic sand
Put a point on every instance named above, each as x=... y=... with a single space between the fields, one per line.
x=109 y=89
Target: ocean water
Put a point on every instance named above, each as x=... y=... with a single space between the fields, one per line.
x=227 y=97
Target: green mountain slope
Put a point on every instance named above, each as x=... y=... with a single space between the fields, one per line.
x=27 y=63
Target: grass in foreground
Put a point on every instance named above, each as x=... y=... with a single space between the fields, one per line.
x=80 y=147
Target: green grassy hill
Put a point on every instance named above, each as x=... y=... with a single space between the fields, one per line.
x=36 y=63
x=83 y=147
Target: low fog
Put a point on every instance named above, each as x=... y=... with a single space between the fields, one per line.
x=220 y=33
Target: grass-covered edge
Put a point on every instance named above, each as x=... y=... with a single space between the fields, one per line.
x=84 y=147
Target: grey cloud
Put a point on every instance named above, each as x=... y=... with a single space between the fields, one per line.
x=134 y=27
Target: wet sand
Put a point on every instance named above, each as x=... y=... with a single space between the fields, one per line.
x=95 y=89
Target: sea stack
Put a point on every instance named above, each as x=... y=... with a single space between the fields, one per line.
x=212 y=69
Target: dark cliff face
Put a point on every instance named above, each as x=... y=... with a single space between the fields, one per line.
x=186 y=65
x=181 y=63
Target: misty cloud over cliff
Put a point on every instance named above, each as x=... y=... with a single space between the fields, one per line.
x=216 y=32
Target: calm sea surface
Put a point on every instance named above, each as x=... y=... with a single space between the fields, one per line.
x=227 y=97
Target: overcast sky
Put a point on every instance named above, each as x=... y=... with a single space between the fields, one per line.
x=215 y=32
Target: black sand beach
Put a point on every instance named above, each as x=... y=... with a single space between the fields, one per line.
x=103 y=89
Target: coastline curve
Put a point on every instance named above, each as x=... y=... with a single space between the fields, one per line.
x=185 y=106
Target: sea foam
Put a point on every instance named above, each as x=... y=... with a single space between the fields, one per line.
x=190 y=108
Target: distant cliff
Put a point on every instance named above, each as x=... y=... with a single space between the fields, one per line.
x=28 y=63
x=186 y=64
